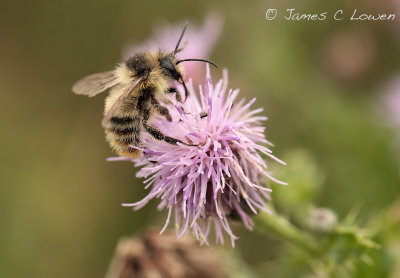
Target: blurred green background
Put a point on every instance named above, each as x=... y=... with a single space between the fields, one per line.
x=319 y=82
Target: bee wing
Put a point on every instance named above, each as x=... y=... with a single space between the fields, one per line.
x=94 y=84
x=107 y=117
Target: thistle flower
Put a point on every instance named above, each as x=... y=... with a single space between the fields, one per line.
x=218 y=176
x=152 y=255
x=199 y=40
x=322 y=220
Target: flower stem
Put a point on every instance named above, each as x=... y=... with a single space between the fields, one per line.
x=273 y=222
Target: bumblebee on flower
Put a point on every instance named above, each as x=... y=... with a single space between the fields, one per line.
x=203 y=156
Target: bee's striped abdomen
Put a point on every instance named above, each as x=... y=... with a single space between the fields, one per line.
x=123 y=132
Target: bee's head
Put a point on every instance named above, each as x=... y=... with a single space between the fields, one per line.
x=170 y=67
x=169 y=63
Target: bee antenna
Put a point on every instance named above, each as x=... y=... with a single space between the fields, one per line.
x=180 y=38
x=198 y=60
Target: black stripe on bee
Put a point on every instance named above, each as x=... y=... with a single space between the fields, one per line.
x=121 y=130
x=121 y=120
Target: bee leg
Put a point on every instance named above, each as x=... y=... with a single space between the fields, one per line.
x=184 y=87
x=155 y=132
x=178 y=97
x=177 y=94
x=161 y=109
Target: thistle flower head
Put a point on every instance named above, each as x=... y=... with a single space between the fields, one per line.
x=322 y=220
x=220 y=175
x=152 y=255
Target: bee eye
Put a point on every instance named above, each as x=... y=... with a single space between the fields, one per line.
x=169 y=68
x=167 y=64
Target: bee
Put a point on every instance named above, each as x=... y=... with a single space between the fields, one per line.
x=137 y=85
